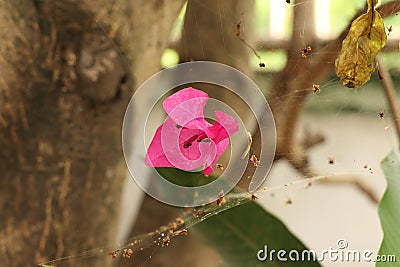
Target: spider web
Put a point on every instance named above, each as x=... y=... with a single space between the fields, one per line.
x=356 y=138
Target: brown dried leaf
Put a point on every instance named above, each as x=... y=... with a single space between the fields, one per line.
x=365 y=39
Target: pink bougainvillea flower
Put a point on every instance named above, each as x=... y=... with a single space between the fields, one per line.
x=186 y=140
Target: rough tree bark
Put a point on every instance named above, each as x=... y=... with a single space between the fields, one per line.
x=63 y=93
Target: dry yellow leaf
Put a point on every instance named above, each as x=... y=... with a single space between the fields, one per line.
x=365 y=39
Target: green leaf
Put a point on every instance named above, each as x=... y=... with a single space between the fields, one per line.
x=389 y=210
x=239 y=233
x=184 y=178
x=365 y=39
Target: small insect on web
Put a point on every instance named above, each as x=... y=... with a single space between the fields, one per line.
x=381 y=114
x=221 y=198
x=316 y=88
x=254 y=160
x=389 y=29
x=127 y=253
x=305 y=51
x=253 y=197
x=219 y=166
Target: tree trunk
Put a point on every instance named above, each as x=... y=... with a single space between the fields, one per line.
x=210 y=29
x=63 y=94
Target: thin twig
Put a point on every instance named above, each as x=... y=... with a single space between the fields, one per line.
x=356 y=181
x=238 y=33
x=389 y=89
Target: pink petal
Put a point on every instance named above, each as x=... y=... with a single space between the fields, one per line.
x=155 y=156
x=169 y=147
x=186 y=140
x=186 y=107
x=223 y=127
x=208 y=170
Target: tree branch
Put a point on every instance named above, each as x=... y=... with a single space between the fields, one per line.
x=357 y=182
x=297 y=74
x=389 y=89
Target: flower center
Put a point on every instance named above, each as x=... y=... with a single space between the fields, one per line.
x=198 y=137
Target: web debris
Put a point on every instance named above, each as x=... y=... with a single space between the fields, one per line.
x=164 y=235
